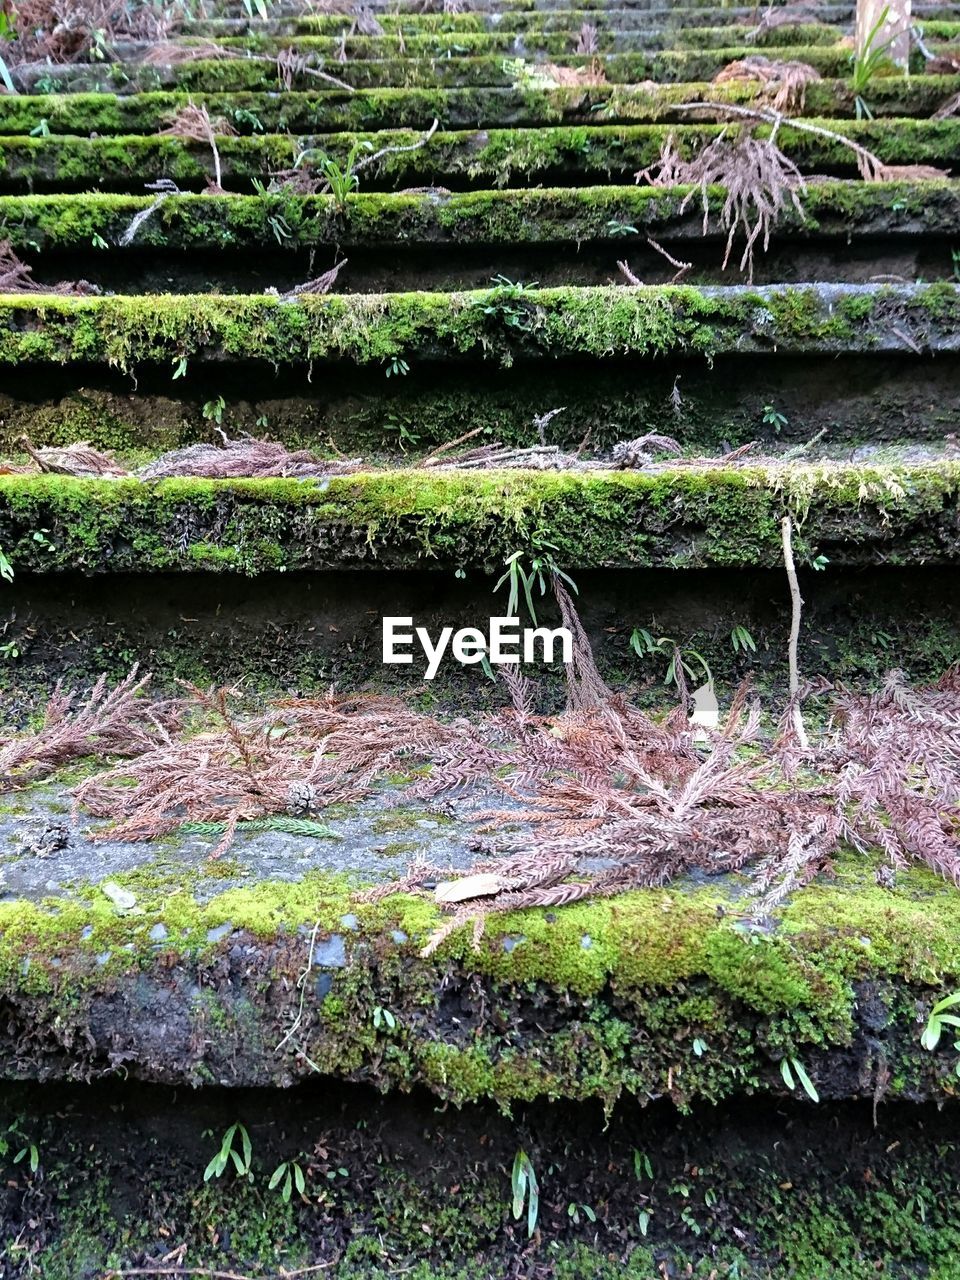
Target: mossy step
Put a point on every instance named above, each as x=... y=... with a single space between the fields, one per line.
x=648 y=14
x=500 y=324
x=630 y=981
x=338 y=110
x=723 y=403
x=558 y=216
x=534 y=43
x=681 y=518
x=260 y=73
x=529 y=21
x=403 y=1187
x=564 y=155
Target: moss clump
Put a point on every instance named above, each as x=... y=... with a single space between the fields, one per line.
x=498 y=156
x=562 y=214
x=588 y=1001
x=506 y=322
x=678 y=519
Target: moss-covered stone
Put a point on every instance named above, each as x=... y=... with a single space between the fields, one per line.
x=311 y=112
x=504 y=323
x=559 y=215
x=498 y=157
x=589 y=1001
x=258 y=72
x=677 y=519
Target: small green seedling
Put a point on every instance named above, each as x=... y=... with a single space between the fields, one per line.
x=790 y=1067
x=643 y=644
x=383 y=1018
x=526 y=1190
x=574 y=1211
x=522 y=581
x=774 y=418
x=213 y=410
x=290 y=1175
x=938 y=1019
x=241 y=1159
x=742 y=641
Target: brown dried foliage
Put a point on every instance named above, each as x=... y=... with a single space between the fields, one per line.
x=784 y=83
x=17 y=277
x=78 y=459
x=576 y=77
x=246 y=458
x=114 y=721
x=596 y=801
x=759 y=181
x=63 y=31
x=587 y=42
x=195 y=124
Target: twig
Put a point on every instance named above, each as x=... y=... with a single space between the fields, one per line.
x=302 y=984
x=682 y=267
x=796 y=601
x=166 y=188
x=799 y=450
x=451 y=444
x=905 y=337
x=390 y=151
x=212 y=1275
x=630 y=277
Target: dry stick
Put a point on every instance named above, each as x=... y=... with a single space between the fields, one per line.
x=212 y=1275
x=389 y=151
x=682 y=267
x=868 y=162
x=796 y=600
x=166 y=188
x=451 y=444
x=302 y=984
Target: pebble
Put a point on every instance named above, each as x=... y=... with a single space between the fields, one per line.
x=330 y=953
x=220 y=932
x=159 y=932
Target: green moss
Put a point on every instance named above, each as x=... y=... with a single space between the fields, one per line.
x=393 y=519
x=498 y=156
x=257 y=113
x=503 y=323
x=671 y=965
x=674 y=66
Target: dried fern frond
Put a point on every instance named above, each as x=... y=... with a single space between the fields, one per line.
x=17 y=277
x=240 y=459
x=784 y=83
x=587 y=42
x=195 y=124
x=79 y=459
x=760 y=183
x=115 y=721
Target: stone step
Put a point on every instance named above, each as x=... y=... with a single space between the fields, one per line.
x=558 y=155
x=672 y=517
x=337 y=110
